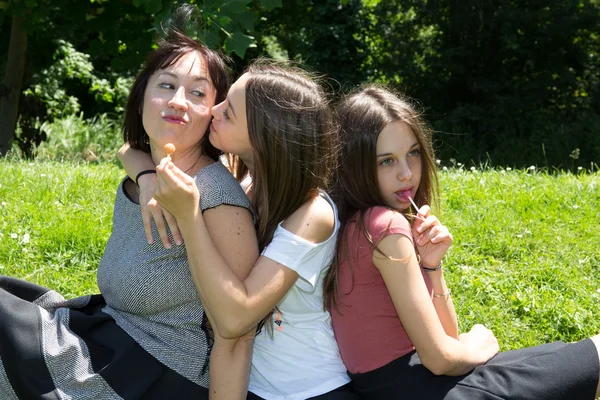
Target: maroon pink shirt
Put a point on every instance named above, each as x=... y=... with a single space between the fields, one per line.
x=367 y=328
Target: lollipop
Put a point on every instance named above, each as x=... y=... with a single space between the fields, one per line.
x=169 y=148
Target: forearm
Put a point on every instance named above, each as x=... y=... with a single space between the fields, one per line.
x=134 y=161
x=220 y=290
x=442 y=301
x=453 y=357
x=230 y=362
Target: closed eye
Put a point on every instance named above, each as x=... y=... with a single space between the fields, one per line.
x=226 y=115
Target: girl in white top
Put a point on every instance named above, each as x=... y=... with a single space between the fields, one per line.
x=277 y=124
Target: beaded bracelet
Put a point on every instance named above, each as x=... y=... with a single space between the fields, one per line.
x=434 y=268
x=447 y=293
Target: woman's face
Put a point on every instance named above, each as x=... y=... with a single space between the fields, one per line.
x=177 y=103
x=399 y=164
x=229 y=128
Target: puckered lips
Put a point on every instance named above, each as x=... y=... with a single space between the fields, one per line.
x=174 y=119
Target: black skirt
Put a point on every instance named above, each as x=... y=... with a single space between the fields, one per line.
x=552 y=371
x=75 y=350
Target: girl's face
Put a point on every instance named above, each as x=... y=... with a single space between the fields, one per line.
x=399 y=165
x=177 y=103
x=229 y=129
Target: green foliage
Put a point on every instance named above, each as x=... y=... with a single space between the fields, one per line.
x=101 y=45
x=498 y=76
x=75 y=139
x=325 y=36
x=50 y=85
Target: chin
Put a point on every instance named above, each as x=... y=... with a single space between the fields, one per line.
x=212 y=139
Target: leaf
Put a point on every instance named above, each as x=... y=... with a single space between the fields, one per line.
x=137 y=3
x=224 y=21
x=153 y=6
x=235 y=7
x=238 y=43
x=246 y=20
x=269 y=5
x=211 y=37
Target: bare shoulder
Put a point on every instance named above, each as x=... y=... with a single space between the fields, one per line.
x=229 y=216
x=313 y=221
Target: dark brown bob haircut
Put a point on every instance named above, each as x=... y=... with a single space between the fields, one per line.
x=170 y=49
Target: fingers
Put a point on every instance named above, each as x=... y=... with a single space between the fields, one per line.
x=177 y=194
x=147 y=221
x=424 y=211
x=153 y=211
x=162 y=230
x=172 y=222
x=421 y=216
x=435 y=235
x=169 y=176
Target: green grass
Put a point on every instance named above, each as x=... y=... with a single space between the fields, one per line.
x=55 y=219
x=525 y=260
x=526 y=255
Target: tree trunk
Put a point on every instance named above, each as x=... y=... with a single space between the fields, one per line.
x=10 y=90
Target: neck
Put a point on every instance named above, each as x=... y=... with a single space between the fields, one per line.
x=189 y=162
x=249 y=163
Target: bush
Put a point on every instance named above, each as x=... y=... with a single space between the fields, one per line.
x=77 y=139
x=540 y=139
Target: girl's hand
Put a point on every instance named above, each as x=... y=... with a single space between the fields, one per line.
x=481 y=341
x=151 y=210
x=431 y=237
x=176 y=191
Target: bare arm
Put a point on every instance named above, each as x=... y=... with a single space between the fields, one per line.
x=237 y=305
x=433 y=240
x=230 y=358
x=230 y=362
x=443 y=303
x=441 y=353
x=134 y=162
x=232 y=231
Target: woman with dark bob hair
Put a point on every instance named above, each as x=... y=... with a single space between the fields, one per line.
x=145 y=336
x=277 y=122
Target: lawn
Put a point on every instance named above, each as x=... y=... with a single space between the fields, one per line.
x=524 y=262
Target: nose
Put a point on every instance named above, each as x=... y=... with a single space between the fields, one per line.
x=178 y=101
x=215 y=111
x=404 y=171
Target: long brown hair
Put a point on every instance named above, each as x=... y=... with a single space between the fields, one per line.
x=293 y=141
x=361 y=116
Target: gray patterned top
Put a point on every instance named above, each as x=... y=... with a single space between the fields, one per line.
x=149 y=289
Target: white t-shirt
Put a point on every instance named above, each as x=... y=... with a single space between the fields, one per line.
x=302 y=358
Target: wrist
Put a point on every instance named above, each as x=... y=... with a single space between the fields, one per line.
x=432 y=268
x=143 y=175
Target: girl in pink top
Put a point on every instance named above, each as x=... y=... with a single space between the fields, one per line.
x=392 y=312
